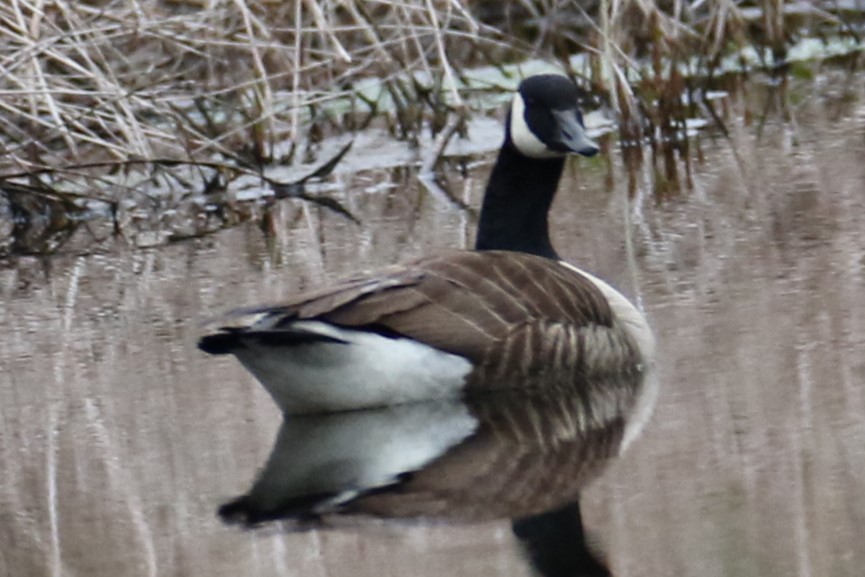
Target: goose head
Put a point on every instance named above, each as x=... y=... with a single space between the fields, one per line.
x=545 y=120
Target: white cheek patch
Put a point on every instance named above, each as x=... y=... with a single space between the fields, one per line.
x=522 y=136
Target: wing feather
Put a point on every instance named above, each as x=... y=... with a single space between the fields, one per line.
x=492 y=307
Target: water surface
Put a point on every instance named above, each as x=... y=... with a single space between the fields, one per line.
x=118 y=438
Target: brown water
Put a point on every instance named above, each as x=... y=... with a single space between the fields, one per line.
x=118 y=438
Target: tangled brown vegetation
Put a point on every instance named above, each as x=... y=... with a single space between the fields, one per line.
x=185 y=79
x=91 y=88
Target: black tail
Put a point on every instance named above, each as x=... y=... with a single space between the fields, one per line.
x=246 y=512
x=228 y=341
x=220 y=343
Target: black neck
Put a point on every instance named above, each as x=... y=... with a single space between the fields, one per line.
x=516 y=203
x=557 y=544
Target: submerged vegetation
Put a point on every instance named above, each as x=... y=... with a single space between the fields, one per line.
x=118 y=107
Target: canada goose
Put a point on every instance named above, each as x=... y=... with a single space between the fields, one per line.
x=514 y=454
x=508 y=314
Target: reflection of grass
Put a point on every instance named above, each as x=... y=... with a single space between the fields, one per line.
x=257 y=82
x=731 y=539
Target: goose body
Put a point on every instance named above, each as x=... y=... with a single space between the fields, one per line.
x=480 y=458
x=509 y=314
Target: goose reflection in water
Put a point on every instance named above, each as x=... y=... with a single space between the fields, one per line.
x=521 y=455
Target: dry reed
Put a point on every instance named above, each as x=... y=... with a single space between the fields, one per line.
x=109 y=84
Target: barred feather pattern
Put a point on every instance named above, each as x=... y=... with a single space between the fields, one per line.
x=530 y=454
x=517 y=318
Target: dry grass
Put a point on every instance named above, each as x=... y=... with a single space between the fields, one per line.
x=90 y=88
x=187 y=79
x=174 y=79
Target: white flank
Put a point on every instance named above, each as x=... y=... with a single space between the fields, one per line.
x=522 y=136
x=642 y=409
x=346 y=454
x=369 y=370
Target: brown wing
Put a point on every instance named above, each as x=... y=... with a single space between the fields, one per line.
x=513 y=315
x=455 y=301
x=531 y=453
